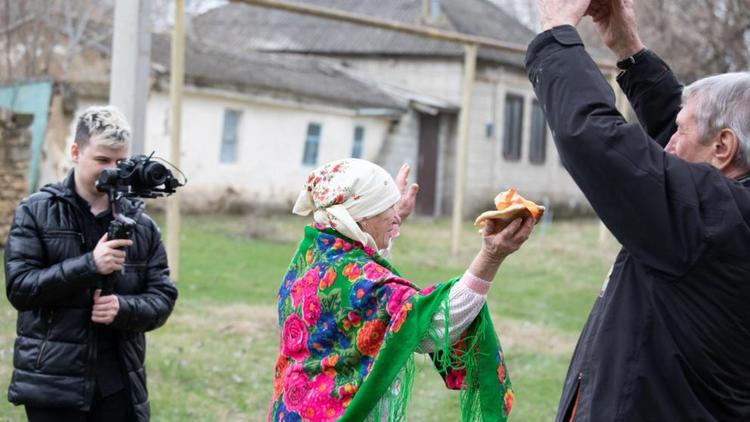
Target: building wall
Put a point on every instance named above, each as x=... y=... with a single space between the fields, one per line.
x=271 y=138
x=269 y=168
x=489 y=172
x=437 y=77
x=15 y=140
x=400 y=145
x=56 y=160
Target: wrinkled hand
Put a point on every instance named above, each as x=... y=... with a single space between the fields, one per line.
x=408 y=193
x=105 y=308
x=498 y=244
x=107 y=255
x=615 y=22
x=554 y=13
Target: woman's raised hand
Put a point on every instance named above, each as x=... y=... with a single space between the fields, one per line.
x=408 y=192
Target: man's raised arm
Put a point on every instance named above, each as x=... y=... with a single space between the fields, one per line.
x=650 y=85
x=647 y=198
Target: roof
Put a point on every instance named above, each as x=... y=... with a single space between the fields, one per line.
x=244 y=28
x=268 y=74
x=257 y=72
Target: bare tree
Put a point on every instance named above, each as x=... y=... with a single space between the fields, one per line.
x=162 y=11
x=43 y=37
x=8 y=42
x=696 y=37
x=523 y=10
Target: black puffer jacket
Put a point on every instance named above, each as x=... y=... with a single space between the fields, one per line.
x=50 y=279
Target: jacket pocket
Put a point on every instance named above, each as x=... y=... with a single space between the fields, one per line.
x=132 y=279
x=43 y=347
x=63 y=244
x=134 y=266
x=64 y=233
x=571 y=402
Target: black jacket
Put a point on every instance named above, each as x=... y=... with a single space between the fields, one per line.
x=50 y=278
x=668 y=338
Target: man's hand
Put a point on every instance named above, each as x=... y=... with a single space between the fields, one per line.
x=107 y=255
x=615 y=21
x=554 y=13
x=105 y=308
x=408 y=194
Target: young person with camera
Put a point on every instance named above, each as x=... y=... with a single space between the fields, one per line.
x=79 y=354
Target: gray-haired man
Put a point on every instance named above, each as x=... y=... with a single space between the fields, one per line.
x=79 y=355
x=668 y=338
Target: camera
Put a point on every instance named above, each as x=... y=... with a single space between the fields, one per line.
x=138 y=176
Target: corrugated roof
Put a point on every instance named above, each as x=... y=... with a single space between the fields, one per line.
x=244 y=28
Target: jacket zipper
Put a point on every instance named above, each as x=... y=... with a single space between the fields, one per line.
x=92 y=352
x=46 y=338
x=71 y=232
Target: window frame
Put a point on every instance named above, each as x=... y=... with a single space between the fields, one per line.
x=358 y=142
x=229 y=150
x=512 y=149
x=537 y=146
x=311 y=149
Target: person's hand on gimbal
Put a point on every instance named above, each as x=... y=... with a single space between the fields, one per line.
x=108 y=256
x=105 y=308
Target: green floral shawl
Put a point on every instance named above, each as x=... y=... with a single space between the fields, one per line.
x=349 y=328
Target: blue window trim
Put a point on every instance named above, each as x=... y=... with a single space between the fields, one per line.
x=230 y=136
x=312 y=144
x=358 y=143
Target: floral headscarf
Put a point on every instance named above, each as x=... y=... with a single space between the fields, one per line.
x=343 y=192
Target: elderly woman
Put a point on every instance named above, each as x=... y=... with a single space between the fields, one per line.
x=350 y=324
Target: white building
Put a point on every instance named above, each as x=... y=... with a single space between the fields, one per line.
x=270 y=95
x=510 y=145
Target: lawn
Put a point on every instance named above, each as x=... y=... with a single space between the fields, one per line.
x=213 y=360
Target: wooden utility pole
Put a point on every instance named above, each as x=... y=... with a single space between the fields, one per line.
x=176 y=81
x=131 y=63
x=462 y=143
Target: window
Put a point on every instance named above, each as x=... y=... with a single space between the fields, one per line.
x=435 y=9
x=513 y=127
x=229 y=136
x=538 y=145
x=312 y=141
x=359 y=140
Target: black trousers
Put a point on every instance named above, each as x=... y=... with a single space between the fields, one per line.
x=113 y=408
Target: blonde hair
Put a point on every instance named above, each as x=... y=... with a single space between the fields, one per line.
x=107 y=123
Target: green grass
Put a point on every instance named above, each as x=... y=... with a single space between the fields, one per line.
x=214 y=358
